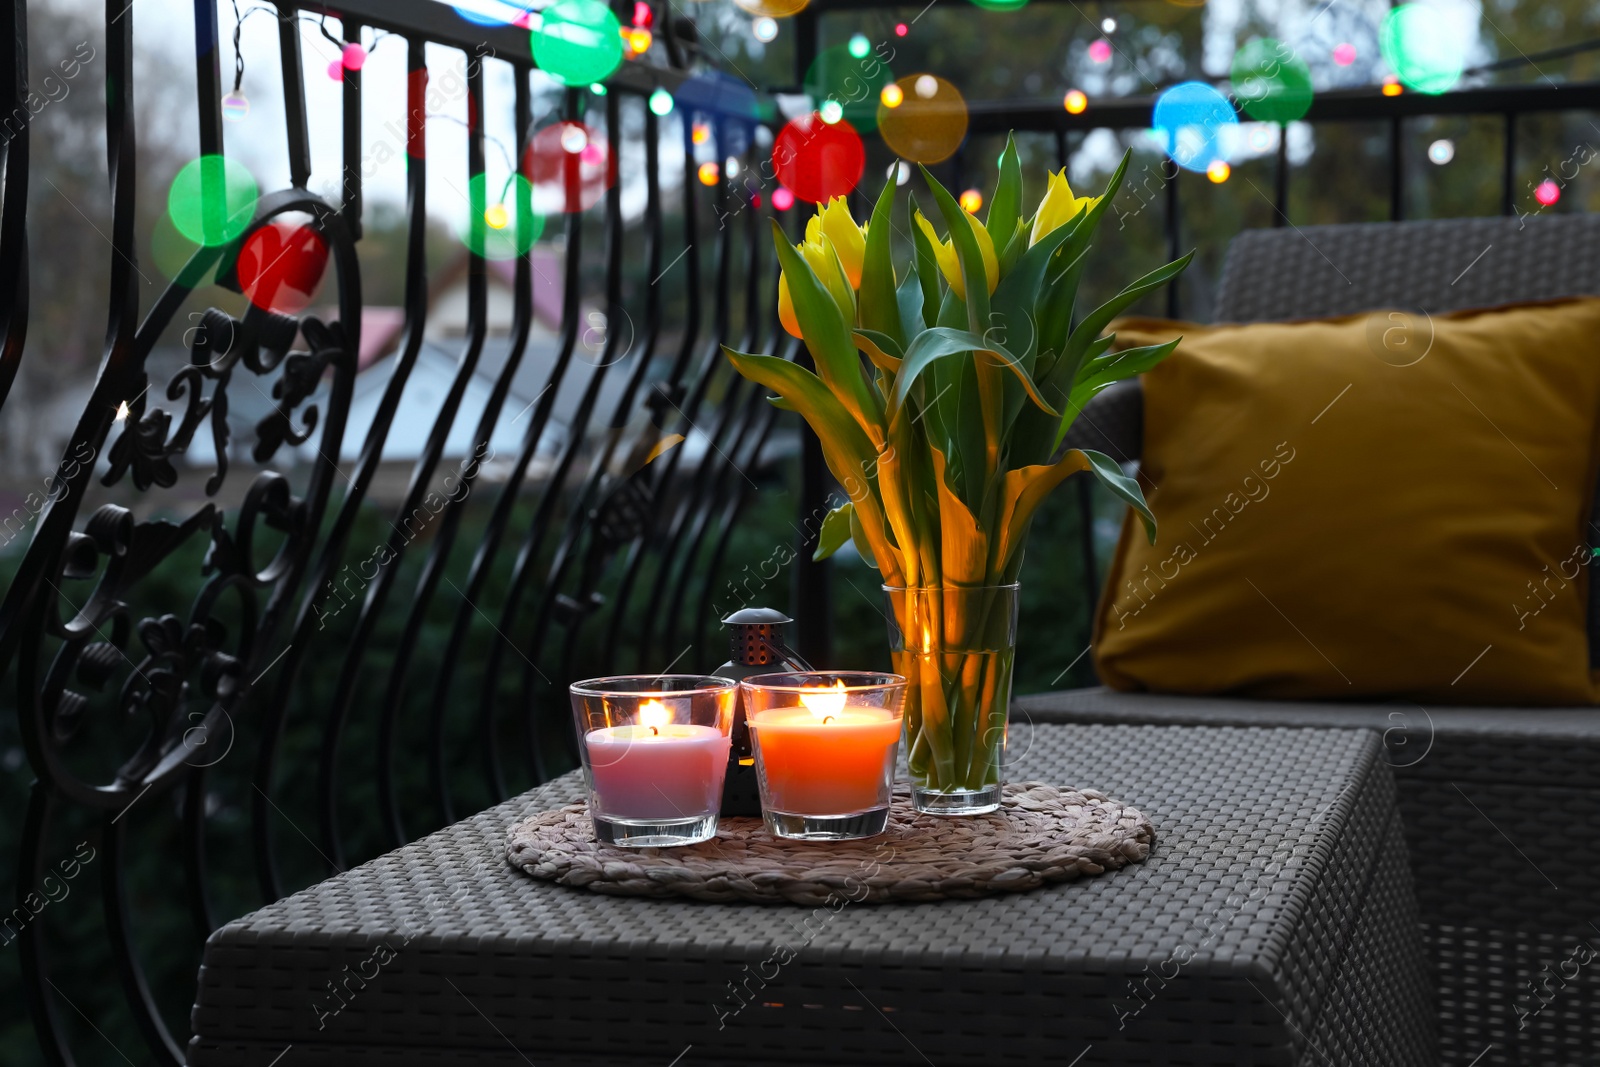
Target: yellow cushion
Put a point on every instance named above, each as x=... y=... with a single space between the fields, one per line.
x=1348 y=511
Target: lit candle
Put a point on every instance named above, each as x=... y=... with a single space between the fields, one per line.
x=655 y=752
x=830 y=760
x=655 y=768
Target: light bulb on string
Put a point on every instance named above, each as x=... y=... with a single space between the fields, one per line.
x=859 y=46
x=354 y=56
x=831 y=111
x=235 y=107
x=661 y=102
x=765 y=29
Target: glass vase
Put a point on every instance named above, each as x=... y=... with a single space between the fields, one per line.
x=955 y=645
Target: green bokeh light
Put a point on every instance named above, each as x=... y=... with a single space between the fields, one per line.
x=1423 y=47
x=579 y=42
x=1273 y=84
x=852 y=82
x=212 y=200
x=501 y=222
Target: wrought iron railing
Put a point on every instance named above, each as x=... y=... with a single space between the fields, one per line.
x=330 y=691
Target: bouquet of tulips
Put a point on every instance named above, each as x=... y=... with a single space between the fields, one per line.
x=941 y=396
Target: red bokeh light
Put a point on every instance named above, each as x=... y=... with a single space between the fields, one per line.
x=281 y=265
x=1547 y=192
x=566 y=180
x=782 y=199
x=901 y=29
x=818 y=160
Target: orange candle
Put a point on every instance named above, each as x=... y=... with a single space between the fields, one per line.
x=825 y=758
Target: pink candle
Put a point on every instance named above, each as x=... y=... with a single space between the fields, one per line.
x=655 y=768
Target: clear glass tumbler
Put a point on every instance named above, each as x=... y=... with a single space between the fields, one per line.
x=655 y=751
x=956 y=645
x=825 y=745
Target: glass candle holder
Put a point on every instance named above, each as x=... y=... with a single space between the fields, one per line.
x=825 y=746
x=655 y=750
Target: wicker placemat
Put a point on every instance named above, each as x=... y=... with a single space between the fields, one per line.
x=1041 y=834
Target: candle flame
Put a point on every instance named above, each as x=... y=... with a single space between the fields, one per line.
x=654 y=713
x=825 y=703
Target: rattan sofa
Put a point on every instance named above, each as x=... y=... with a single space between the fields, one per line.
x=1501 y=805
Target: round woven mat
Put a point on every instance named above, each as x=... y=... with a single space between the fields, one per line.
x=1041 y=834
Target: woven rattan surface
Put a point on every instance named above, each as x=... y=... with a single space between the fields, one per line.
x=1501 y=809
x=1042 y=834
x=1274 y=910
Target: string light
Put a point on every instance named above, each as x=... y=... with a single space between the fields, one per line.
x=1441 y=151
x=1218 y=171
x=831 y=111
x=573 y=138
x=1344 y=54
x=1547 y=192
x=765 y=28
x=899 y=171
x=1108 y=25
x=497 y=217
x=1100 y=50
x=708 y=173
x=1075 y=103
x=901 y=29
x=892 y=95
x=353 y=56
x=927 y=86
x=971 y=201
x=782 y=198
x=859 y=46
x=700 y=133
x=1391 y=86
x=598 y=89
x=235 y=107
x=661 y=102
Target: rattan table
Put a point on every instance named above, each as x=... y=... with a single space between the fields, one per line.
x=1273 y=923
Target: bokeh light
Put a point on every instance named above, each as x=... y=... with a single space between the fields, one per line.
x=901 y=29
x=1219 y=171
x=1547 y=192
x=849 y=85
x=1100 y=51
x=1344 y=54
x=1391 y=86
x=494 y=12
x=569 y=166
x=930 y=123
x=497 y=216
x=817 y=160
x=1195 y=124
x=336 y=70
x=700 y=133
x=892 y=95
x=1424 y=46
x=1075 y=102
x=782 y=199
x=1273 y=84
x=1441 y=151
x=281 y=265
x=859 y=47
x=578 y=42
x=708 y=173
x=765 y=28
x=235 y=107
x=661 y=102
x=354 y=56
x=212 y=200
x=971 y=201
x=511 y=239
x=900 y=171
x=639 y=40
x=773 y=9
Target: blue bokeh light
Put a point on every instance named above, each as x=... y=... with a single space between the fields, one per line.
x=1195 y=124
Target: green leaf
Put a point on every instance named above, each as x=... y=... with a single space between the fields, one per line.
x=879 y=302
x=827 y=336
x=973 y=274
x=942 y=342
x=1017 y=296
x=1005 y=206
x=835 y=531
x=927 y=271
x=847 y=450
x=1110 y=474
x=1102 y=371
x=781 y=404
x=909 y=296
x=1096 y=321
x=884 y=351
x=863 y=545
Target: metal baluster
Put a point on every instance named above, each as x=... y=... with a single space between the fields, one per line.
x=666 y=394
x=402 y=527
x=1508 y=170
x=1280 y=179
x=351 y=79
x=114 y=896
x=1174 y=238
x=14 y=195
x=521 y=328
x=1397 y=190
x=527 y=555
x=454 y=509
x=294 y=96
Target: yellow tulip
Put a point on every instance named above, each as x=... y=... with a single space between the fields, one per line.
x=849 y=240
x=1058 y=207
x=944 y=252
x=823 y=257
